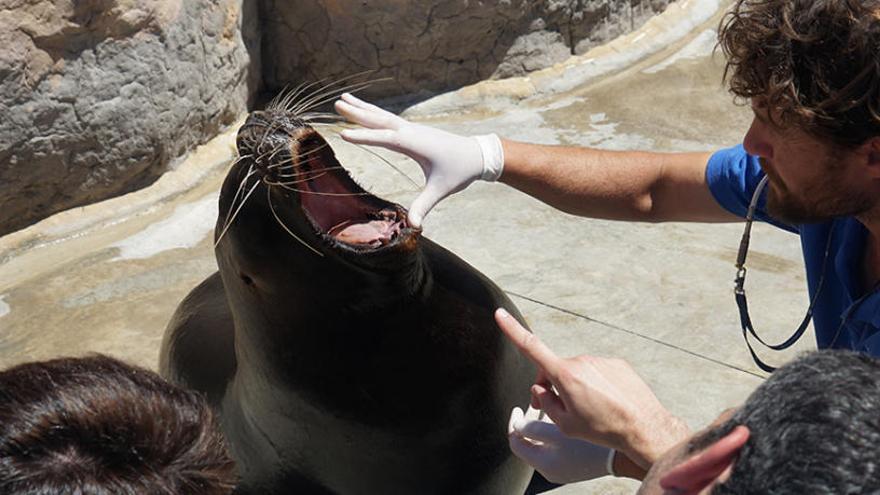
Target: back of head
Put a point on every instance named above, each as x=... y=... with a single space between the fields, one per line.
x=815 y=428
x=98 y=426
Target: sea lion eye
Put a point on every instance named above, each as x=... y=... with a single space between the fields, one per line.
x=247 y=280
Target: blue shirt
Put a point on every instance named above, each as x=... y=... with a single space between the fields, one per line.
x=846 y=315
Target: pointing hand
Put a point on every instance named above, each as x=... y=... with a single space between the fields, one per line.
x=597 y=399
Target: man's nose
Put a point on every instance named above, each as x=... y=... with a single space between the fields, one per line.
x=756 y=143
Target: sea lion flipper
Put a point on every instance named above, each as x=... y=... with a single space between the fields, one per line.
x=197 y=350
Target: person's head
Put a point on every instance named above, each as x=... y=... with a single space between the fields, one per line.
x=811 y=71
x=812 y=427
x=95 y=425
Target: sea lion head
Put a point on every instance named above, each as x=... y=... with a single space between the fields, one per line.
x=289 y=210
x=298 y=165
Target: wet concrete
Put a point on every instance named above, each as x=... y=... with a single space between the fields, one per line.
x=106 y=278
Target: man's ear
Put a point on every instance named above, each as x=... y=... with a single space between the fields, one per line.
x=703 y=469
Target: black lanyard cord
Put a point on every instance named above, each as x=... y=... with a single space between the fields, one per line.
x=740 y=293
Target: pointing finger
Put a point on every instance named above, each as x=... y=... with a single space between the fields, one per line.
x=527 y=342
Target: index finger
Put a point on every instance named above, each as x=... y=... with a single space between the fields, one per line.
x=527 y=342
x=366 y=114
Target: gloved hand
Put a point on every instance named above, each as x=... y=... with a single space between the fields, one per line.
x=560 y=458
x=450 y=162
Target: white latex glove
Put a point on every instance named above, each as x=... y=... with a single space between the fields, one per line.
x=450 y=162
x=560 y=458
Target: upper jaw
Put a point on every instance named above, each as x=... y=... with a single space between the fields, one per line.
x=345 y=216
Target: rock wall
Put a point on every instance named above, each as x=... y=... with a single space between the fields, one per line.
x=99 y=96
x=430 y=46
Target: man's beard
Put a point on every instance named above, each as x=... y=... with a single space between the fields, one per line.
x=820 y=202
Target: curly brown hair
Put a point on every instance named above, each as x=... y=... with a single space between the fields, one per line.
x=815 y=63
x=99 y=426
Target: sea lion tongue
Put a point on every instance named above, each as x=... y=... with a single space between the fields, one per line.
x=374 y=233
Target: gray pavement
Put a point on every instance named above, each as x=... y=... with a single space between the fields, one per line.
x=106 y=278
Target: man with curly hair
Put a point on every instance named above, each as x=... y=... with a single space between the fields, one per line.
x=98 y=426
x=811 y=71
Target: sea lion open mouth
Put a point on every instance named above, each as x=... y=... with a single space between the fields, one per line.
x=285 y=152
x=340 y=209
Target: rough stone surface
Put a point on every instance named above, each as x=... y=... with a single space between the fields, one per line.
x=100 y=96
x=428 y=46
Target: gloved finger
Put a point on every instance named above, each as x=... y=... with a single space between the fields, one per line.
x=371 y=116
x=533 y=414
x=359 y=103
x=516 y=414
x=372 y=137
x=424 y=203
x=539 y=430
x=532 y=454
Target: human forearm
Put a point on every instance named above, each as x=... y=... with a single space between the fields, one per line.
x=615 y=185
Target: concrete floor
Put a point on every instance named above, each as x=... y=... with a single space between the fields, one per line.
x=106 y=278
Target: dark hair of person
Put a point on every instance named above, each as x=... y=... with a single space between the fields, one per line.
x=815 y=428
x=815 y=63
x=98 y=426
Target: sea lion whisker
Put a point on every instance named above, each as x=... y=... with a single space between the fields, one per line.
x=324 y=87
x=282 y=163
x=285 y=184
x=329 y=95
x=283 y=226
x=289 y=102
x=318 y=193
x=288 y=98
x=238 y=190
x=297 y=180
x=300 y=174
x=284 y=100
x=276 y=99
x=235 y=215
x=240 y=158
x=321 y=92
x=396 y=169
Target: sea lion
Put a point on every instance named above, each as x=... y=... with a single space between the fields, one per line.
x=345 y=352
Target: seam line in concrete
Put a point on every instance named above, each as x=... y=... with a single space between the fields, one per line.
x=635 y=334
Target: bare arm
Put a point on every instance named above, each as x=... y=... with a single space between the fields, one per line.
x=615 y=185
